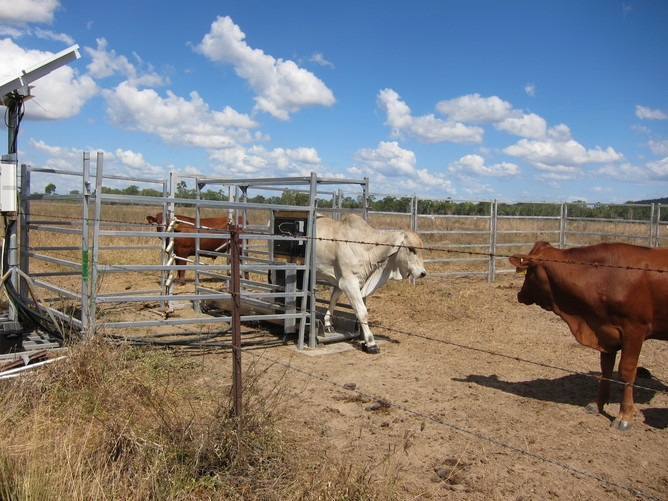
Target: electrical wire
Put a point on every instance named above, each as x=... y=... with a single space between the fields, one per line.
x=29 y=318
x=15 y=102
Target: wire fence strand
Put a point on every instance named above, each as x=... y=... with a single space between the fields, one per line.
x=463 y=430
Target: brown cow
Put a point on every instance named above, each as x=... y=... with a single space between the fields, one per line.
x=613 y=296
x=186 y=247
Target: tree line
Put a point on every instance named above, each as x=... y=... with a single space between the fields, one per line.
x=628 y=211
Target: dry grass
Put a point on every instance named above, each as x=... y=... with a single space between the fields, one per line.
x=112 y=422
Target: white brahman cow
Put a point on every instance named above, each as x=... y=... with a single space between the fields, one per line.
x=356 y=259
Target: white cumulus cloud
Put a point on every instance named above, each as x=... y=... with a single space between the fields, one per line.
x=426 y=128
x=28 y=11
x=643 y=112
x=659 y=147
x=178 y=121
x=524 y=125
x=559 y=154
x=282 y=87
x=106 y=63
x=475 y=165
x=257 y=161
x=475 y=108
x=493 y=110
x=393 y=170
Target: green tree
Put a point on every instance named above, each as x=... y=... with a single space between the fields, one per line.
x=133 y=190
x=50 y=189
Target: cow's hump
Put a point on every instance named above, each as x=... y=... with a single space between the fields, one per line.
x=355 y=222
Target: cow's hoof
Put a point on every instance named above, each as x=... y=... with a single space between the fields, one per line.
x=620 y=425
x=373 y=349
x=329 y=329
x=592 y=408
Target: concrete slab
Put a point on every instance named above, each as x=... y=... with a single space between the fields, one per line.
x=326 y=349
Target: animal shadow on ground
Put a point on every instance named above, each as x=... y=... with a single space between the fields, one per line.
x=579 y=390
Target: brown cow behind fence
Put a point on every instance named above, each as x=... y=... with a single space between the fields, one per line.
x=186 y=247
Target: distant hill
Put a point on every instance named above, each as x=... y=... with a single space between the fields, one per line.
x=662 y=201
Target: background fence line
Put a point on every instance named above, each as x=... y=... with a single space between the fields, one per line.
x=460 y=238
x=478 y=242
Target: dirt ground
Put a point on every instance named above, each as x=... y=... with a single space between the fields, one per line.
x=473 y=396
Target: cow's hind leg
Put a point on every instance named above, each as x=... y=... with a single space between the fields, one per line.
x=603 y=393
x=329 y=314
x=628 y=368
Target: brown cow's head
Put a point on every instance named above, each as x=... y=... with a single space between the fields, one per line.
x=156 y=221
x=536 y=288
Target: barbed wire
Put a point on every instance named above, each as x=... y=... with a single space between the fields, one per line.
x=303 y=310
x=489 y=255
x=523 y=360
x=461 y=429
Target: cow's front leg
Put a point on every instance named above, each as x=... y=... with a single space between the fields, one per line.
x=180 y=274
x=329 y=314
x=352 y=290
x=181 y=277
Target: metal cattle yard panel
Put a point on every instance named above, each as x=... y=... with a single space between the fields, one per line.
x=69 y=278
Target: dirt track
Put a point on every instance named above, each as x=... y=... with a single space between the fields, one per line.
x=475 y=396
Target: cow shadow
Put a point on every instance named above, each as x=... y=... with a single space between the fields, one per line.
x=578 y=390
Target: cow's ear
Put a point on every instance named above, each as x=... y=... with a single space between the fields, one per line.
x=521 y=261
x=152 y=219
x=399 y=242
x=541 y=244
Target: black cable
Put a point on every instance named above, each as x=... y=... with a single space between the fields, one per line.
x=15 y=102
x=28 y=318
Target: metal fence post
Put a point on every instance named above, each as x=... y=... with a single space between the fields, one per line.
x=492 y=241
x=99 y=180
x=653 y=229
x=562 y=225
x=86 y=328
x=657 y=239
x=24 y=226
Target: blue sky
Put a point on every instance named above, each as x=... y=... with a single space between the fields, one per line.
x=470 y=99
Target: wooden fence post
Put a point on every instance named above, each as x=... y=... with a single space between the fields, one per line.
x=235 y=283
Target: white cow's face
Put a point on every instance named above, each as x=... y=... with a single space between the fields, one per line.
x=409 y=257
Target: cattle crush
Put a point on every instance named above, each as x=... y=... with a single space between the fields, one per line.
x=90 y=263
